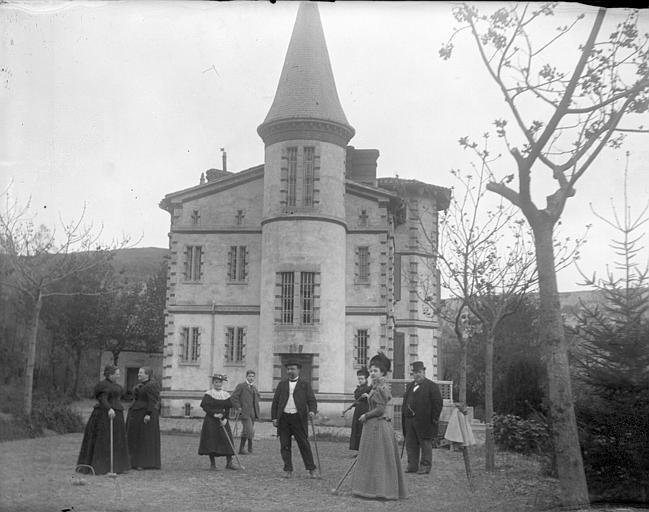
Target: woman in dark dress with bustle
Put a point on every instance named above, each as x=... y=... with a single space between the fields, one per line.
x=360 y=406
x=143 y=424
x=216 y=436
x=95 y=447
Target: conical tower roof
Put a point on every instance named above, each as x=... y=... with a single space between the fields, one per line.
x=306 y=89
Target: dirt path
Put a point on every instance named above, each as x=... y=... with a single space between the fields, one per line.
x=37 y=475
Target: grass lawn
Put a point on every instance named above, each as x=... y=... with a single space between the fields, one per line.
x=38 y=475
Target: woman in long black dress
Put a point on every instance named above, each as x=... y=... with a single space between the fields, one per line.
x=95 y=447
x=360 y=406
x=143 y=424
x=216 y=436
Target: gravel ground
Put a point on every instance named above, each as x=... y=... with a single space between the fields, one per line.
x=38 y=475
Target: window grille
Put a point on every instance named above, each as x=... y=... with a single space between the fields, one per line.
x=364 y=264
x=237 y=263
x=362 y=339
x=287 y=297
x=309 y=164
x=235 y=342
x=190 y=344
x=292 y=176
x=307 y=289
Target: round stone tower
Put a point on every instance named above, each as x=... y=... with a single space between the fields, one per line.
x=302 y=313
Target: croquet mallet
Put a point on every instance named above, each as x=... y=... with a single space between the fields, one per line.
x=340 y=482
x=112 y=451
x=315 y=442
x=231 y=444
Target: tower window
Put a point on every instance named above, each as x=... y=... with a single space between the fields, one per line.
x=309 y=165
x=307 y=301
x=307 y=292
x=292 y=176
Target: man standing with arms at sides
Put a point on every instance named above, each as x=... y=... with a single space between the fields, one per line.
x=245 y=398
x=422 y=405
x=293 y=405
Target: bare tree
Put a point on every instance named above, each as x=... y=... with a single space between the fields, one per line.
x=565 y=119
x=39 y=259
x=487 y=266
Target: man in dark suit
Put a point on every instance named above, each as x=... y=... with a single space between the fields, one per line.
x=422 y=405
x=245 y=399
x=293 y=404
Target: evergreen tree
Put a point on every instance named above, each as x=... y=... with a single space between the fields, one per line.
x=613 y=361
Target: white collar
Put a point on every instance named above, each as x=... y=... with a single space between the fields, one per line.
x=218 y=395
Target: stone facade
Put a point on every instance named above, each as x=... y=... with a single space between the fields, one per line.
x=308 y=255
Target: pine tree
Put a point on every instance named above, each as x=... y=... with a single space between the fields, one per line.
x=613 y=358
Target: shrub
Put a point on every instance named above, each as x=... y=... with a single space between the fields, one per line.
x=513 y=433
x=18 y=427
x=58 y=417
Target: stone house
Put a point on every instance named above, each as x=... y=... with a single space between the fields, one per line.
x=308 y=255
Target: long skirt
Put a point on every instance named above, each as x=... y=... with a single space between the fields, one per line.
x=357 y=426
x=214 y=438
x=95 y=447
x=378 y=472
x=143 y=439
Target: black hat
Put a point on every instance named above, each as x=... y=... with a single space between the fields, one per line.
x=293 y=362
x=381 y=361
x=219 y=376
x=417 y=366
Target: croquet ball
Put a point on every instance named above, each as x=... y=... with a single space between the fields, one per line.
x=79 y=481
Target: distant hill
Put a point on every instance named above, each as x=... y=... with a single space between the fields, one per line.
x=139 y=264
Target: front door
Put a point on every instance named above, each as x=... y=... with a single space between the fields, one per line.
x=399 y=356
x=131 y=379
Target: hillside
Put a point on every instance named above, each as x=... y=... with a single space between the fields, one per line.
x=139 y=264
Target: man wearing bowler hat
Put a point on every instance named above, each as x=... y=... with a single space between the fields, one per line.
x=293 y=404
x=422 y=405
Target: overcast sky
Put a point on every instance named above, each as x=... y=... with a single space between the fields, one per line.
x=113 y=105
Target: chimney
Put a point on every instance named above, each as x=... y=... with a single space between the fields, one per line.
x=224 y=155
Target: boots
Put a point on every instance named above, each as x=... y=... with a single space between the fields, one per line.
x=242 y=446
x=229 y=464
x=250 y=445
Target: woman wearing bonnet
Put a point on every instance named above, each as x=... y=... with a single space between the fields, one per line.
x=216 y=436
